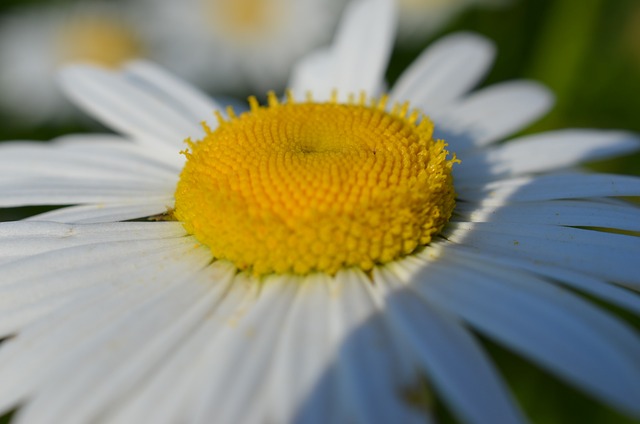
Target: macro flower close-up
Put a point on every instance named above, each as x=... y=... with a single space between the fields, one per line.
x=336 y=253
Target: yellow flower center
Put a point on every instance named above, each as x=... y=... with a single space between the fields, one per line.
x=305 y=187
x=102 y=41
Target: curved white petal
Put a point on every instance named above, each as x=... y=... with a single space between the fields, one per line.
x=456 y=366
x=82 y=156
x=444 y=72
x=570 y=337
x=159 y=327
x=102 y=212
x=576 y=213
x=309 y=75
x=363 y=46
x=357 y=59
x=492 y=113
x=604 y=255
x=600 y=288
x=26 y=238
x=545 y=152
x=191 y=102
x=548 y=187
x=38 y=360
x=129 y=109
x=70 y=191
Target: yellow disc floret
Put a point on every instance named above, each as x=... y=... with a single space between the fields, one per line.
x=304 y=187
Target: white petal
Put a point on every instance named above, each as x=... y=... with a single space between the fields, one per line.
x=557 y=330
x=24 y=238
x=603 y=255
x=363 y=46
x=576 y=213
x=303 y=353
x=82 y=156
x=183 y=370
x=492 y=113
x=548 y=187
x=41 y=357
x=455 y=364
x=65 y=191
x=309 y=75
x=619 y=296
x=545 y=152
x=368 y=371
x=129 y=108
x=101 y=212
x=158 y=328
x=357 y=59
x=445 y=71
x=195 y=105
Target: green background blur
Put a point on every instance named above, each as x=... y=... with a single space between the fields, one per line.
x=588 y=53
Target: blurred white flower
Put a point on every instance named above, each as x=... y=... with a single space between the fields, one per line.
x=246 y=45
x=35 y=41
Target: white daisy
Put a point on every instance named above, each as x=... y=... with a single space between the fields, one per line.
x=36 y=41
x=420 y=18
x=241 y=43
x=316 y=315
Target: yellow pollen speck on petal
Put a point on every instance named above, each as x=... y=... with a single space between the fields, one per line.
x=309 y=186
x=105 y=42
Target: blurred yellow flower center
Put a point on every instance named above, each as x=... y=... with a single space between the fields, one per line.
x=244 y=19
x=102 y=41
x=304 y=187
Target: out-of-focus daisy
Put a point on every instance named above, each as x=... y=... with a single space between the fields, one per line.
x=36 y=41
x=318 y=273
x=231 y=45
x=419 y=18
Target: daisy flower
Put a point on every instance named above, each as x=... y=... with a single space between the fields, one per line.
x=35 y=41
x=243 y=43
x=420 y=18
x=323 y=257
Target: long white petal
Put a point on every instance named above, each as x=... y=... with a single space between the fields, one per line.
x=576 y=213
x=548 y=187
x=25 y=238
x=455 y=364
x=66 y=191
x=445 y=71
x=546 y=152
x=492 y=113
x=557 y=330
x=159 y=327
x=600 y=288
x=183 y=371
x=193 y=103
x=103 y=212
x=82 y=157
x=128 y=108
x=33 y=361
x=603 y=255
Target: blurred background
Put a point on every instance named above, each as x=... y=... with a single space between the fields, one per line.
x=586 y=51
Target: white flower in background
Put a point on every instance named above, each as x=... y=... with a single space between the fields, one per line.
x=36 y=41
x=347 y=281
x=241 y=44
x=420 y=18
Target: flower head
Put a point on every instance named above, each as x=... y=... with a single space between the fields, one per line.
x=116 y=319
x=229 y=45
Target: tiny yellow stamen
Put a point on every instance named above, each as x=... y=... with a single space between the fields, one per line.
x=305 y=187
